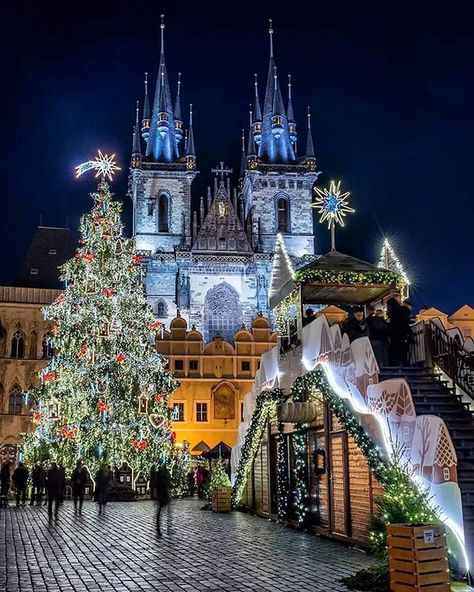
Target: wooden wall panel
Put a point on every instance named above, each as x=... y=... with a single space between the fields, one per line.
x=338 y=489
x=360 y=492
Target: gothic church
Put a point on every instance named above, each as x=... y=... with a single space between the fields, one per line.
x=214 y=266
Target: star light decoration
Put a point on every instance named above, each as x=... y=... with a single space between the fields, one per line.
x=104 y=164
x=332 y=204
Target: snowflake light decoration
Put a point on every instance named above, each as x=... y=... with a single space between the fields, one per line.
x=332 y=204
x=103 y=163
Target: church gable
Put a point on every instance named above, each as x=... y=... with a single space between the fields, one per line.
x=222 y=230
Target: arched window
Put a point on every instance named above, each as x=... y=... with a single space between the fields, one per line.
x=161 y=312
x=47 y=348
x=18 y=344
x=163 y=213
x=282 y=214
x=222 y=312
x=33 y=346
x=15 y=400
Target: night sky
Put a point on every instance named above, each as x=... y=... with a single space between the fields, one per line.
x=391 y=92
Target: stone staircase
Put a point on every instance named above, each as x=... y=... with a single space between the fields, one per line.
x=433 y=396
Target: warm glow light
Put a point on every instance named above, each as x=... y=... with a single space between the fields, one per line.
x=103 y=163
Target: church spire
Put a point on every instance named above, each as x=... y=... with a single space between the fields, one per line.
x=309 y=141
x=257 y=125
x=146 y=112
x=291 y=115
x=178 y=121
x=162 y=144
x=251 y=156
x=190 y=150
x=243 y=160
x=136 y=148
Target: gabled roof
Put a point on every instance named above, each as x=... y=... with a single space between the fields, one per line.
x=465 y=312
x=49 y=249
x=222 y=230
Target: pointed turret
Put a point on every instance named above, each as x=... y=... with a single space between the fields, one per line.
x=275 y=146
x=146 y=112
x=291 y=115
x=190 y=150
x=243 y=159
x=257 y=124
x=251 y=155
x=136 y=148
x=162 y=144
x=178 y=121
x=310 y=156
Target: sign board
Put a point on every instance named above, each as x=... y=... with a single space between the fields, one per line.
x=428 y=535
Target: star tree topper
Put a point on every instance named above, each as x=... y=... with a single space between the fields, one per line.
x=104 y=164
x=333 y=206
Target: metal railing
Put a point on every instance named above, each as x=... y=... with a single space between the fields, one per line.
x=432 y=346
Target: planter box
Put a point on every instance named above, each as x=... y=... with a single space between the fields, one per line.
x=417 y=558
x=221 y=499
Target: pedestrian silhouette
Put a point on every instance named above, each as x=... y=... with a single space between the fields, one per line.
x=162 y=488
x=78 y=481
x=102 y=479
x=38 y=478
x=55 y=488
x=20 y=480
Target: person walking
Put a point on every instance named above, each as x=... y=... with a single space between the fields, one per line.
x=356 y=326
x=38 y=479
x=20 y=480
x=162 y=481
x=399 y=332
x=102 y=479
x=78 y=481
x=55 y=487
x=199 y=477
x=378 y=335
x=4 y=483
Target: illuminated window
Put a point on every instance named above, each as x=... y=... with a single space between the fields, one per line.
x=33 y=271
x=15 y=400
x=47 y=348
x=193 y=364
x=245 y=366
x=446 y=474
x=161 y=311
x=201 y=411
x=178 y=411
x=52 y=252
x=18 y=345
x=163 y=212
x=282 y=211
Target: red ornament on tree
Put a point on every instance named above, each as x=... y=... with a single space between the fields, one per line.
x=49 y=376
x=137 y=259
x=101 y=406
x=83 y=350
x=143 y=444
x=154 y=325
x=88 y=257
x=37 y=416
x=54 y=329
x=159 y=398
x=108 y=293
x=173 y=436
x=120 y=358
x=59 y=299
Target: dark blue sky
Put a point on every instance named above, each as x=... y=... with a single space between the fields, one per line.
x=391 y=91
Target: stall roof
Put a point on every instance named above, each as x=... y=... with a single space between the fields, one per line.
x=337 y=278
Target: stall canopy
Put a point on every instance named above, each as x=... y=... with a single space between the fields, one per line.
x=334 y=278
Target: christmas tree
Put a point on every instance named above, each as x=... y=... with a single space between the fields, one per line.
x=103 y=396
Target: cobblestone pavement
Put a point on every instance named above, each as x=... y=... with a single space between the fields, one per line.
x=202 y=551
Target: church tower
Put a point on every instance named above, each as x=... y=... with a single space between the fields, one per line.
x=162 y=173
x=277 y=184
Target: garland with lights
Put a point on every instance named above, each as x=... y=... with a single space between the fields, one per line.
x=218 y=478
x=103 y=396
x=358 y=278
x=282 y=474
x=178 y=466
x=300 y=471
x=265 y=408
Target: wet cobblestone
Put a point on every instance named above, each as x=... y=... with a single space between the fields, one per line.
x=199 y=551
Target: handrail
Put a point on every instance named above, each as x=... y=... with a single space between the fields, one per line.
x=433 y=346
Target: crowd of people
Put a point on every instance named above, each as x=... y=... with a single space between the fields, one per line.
x=390 y=335
x=50 y=485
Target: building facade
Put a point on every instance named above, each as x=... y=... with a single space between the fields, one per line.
x=214 y=377
x=213 y=264
x=24 y=349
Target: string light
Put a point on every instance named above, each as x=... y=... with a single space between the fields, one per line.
x=104 y=164
x=389 y=260
x=332 y=204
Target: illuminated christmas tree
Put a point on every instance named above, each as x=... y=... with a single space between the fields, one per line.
x=104 y=395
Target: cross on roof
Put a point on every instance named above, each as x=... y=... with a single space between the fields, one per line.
x=221 y=171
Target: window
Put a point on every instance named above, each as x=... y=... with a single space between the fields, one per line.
x=178 y=411
x=15 y=400
x=245 y=366
x=201 y=411
x=281 y=184
x=18 y=345
x=241 y=411
x=299 y=184
x=53 y=251
x=282 y=207
x=193 y=364
x=222 y=312
x=291 y=184
x=178 y=365
x=161 y=310
x=33 y=271
x=163 y=213
x=272 y=183
x=151 y=206
x=47 y=349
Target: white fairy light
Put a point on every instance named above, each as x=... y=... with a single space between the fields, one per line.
x=388 y=255
x=104 y=164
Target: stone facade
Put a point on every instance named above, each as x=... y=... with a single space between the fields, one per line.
x=24 y=351
x=214 y=377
